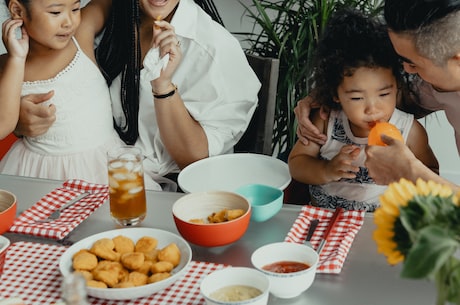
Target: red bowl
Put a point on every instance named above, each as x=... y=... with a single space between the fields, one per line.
x=8 y=205
x=4 y=244
x=202 y=204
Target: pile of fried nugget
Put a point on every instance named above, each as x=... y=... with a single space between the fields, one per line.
x=220 y=216
x=120 y=262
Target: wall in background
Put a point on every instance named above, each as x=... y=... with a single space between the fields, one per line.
x=440 y=133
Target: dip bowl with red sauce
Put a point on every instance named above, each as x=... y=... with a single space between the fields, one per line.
x=290 y=267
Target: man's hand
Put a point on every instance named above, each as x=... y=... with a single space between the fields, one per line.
x=35 y=118
x=389 y=163
x=306 y=130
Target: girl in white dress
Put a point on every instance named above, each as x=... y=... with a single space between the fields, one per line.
x=55 y=56
x=359 y=78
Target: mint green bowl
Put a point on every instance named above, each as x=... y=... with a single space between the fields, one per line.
x=266 y=201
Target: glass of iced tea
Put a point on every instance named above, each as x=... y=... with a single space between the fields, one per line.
x=126 y=185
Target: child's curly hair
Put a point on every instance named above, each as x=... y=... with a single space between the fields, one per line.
x=350 y=41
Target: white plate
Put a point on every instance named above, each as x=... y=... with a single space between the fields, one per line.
x=164 y=238
x=229 y=172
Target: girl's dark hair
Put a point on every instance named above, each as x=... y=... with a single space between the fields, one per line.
x=119 y=52
x=350 y=41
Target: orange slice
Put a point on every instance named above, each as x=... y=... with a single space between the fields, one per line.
x=385 y=128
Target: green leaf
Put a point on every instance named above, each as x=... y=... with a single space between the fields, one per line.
x=431 y=250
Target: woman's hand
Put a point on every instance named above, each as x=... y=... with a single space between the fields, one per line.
x=34 y=118
x=166 y=40
x=306 y=130
x=17 y=47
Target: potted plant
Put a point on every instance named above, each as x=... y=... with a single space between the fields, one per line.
x=289 y=30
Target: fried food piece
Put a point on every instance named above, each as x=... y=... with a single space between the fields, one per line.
x=152 y=255
x=158 y=277
x=123 y=275
x=124 y=285
x=146 y=244
x=218 y=216
x=145 y=268
x=107 y=276
x=104 y=248
x=96 y=284
x=234 y=214
x=133 y=260
x=88 y=276
x=84 y=260
x=163 y=266
x=137 y=278
x=170 y=253
x=197 y=220
x=123 y=244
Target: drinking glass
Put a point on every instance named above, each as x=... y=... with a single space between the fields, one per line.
x=126 y=185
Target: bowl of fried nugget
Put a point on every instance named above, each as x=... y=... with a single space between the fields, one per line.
x=212 y=219
x=128 y=263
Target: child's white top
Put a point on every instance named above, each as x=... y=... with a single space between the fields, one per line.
x=76 y=144
x=360 y=193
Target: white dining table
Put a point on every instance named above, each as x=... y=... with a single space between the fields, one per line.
x=366 y=278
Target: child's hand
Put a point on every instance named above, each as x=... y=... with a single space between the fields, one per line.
x=341 y=165
x=16 y=46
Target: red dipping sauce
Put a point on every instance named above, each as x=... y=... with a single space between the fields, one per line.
x=286 y=267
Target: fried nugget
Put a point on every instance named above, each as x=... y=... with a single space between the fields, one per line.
x=123 y=244
x=157 y=277
x=161 y=267
x=145 y=268
x=234 y=214
x=218 y=216
x=146 y=244
x=96 y=284
x=170 y=253
x=133 y=260
x=197 y=220
x=152 y=255
x=124 y=285
x=88 y=276
x=137 y=278
x=104 y=248
x=84 y=260
x=109 y=277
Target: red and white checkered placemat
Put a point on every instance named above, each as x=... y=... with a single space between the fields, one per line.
x=70 y=218
x=32 y=274
x=340 y=238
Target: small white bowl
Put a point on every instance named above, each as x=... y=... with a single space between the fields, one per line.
x=287 y=285
x=235 y=276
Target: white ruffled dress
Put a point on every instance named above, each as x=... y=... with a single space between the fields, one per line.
x=76 y=144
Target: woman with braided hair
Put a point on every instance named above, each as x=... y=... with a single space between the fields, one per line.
x=201 y=99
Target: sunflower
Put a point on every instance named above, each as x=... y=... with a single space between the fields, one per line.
x=419 y=225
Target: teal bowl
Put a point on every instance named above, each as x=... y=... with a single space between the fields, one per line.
x=266 y=201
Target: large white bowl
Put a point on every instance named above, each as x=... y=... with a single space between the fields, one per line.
x=231 y=171
x=164 y=238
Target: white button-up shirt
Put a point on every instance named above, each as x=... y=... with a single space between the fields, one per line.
x=214 y=80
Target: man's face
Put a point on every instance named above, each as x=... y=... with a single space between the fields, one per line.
x=443 y=78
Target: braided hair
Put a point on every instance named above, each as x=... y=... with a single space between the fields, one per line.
x=119 y=52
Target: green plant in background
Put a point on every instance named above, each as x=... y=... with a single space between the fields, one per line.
x=289 y=30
